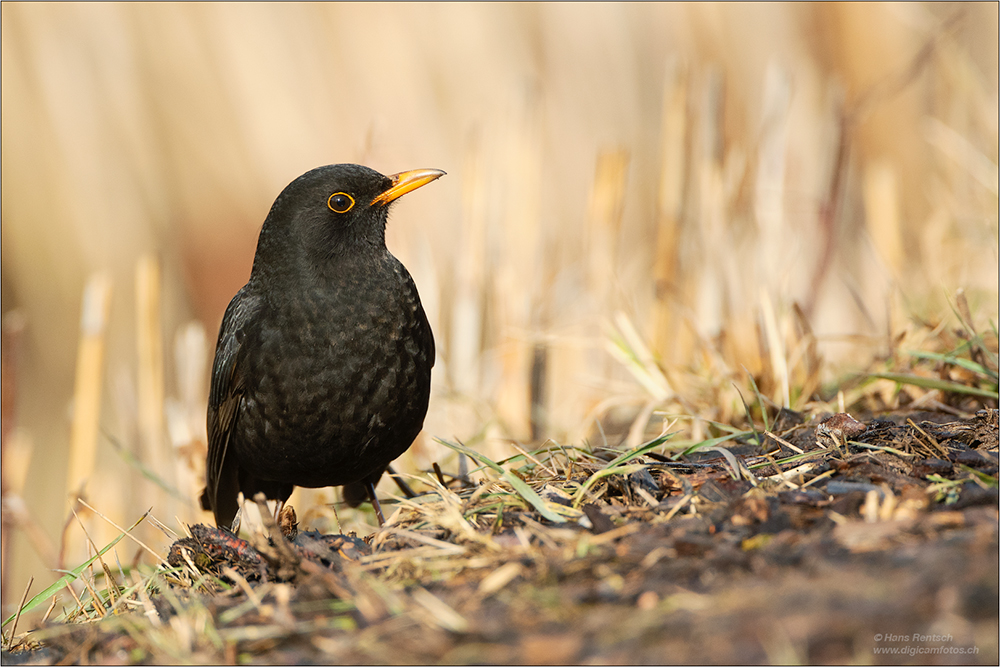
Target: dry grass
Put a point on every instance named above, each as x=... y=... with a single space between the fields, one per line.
x=653 y=213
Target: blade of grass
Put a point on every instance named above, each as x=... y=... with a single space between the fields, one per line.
x=639 y=451
x=516 y=482
x=71 y=575
x=127 y=533
x=791 y=459
x=881 y=448
x=17 y=614
x=625 y=344
x=606 y=472
x=617 y=466
x=712 y=442
x=935 y=383
x=130 y=460
x=961 y=309
x=760 y=402
x=988 y=480
x=734 y=465
x=950 y=358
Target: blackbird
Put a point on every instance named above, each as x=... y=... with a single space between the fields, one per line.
x=322 y=368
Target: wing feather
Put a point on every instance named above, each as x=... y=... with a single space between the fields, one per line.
x=224 y=401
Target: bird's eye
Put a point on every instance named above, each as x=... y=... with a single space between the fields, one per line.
x=340 y=202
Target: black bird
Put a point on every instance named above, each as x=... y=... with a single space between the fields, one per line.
x=322 y=369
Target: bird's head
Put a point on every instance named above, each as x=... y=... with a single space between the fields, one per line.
x=333 y=210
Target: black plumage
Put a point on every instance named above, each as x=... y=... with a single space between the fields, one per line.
x=323 y=363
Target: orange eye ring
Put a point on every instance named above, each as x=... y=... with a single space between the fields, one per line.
x=340 y=202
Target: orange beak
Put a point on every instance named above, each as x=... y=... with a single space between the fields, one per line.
x=407 y=181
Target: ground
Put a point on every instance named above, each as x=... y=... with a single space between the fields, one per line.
x=820 y=540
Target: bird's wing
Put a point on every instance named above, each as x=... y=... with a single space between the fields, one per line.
x=224 y=399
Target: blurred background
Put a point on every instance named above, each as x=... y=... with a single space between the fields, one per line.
x=642 y=201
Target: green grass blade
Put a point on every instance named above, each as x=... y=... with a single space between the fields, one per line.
x=760 y=402
x=606 y=472
x=967 y=364
x=618 y=467
x=713 y=442
x=641 y=449
x=130 y=459
x=987 y=480
x=936 y=383
x=70 y=576
x=515 y=482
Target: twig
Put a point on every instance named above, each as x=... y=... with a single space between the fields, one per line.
x=677 y=508
x=929 y=437
x=79 y=602
x=783 y=442
x=17 y=616
x=437 y=472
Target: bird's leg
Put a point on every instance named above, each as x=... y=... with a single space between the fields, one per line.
x=378 y=508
